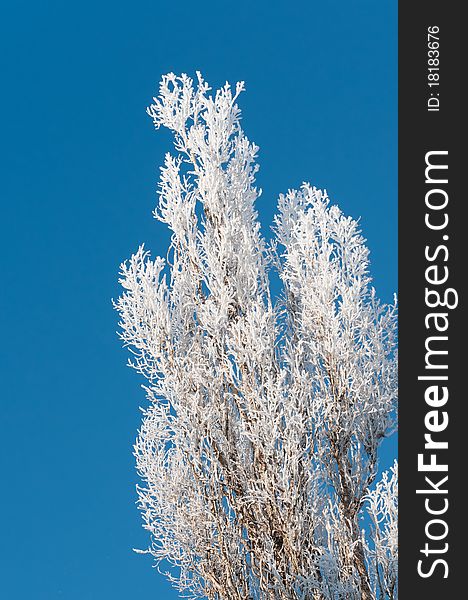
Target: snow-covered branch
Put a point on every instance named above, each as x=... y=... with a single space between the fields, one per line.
x=260 y=439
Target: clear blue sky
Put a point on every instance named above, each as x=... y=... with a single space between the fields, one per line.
x=79 y=165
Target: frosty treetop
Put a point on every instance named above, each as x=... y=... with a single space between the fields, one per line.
x=259 y=445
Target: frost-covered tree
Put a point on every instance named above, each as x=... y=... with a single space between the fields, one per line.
x=259 y=444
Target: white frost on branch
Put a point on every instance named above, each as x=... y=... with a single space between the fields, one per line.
x=259 y=443
x=382 y=552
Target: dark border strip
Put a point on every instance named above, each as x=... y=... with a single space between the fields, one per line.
x=433 y=440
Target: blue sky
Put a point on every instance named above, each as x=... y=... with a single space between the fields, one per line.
x=79 y=166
